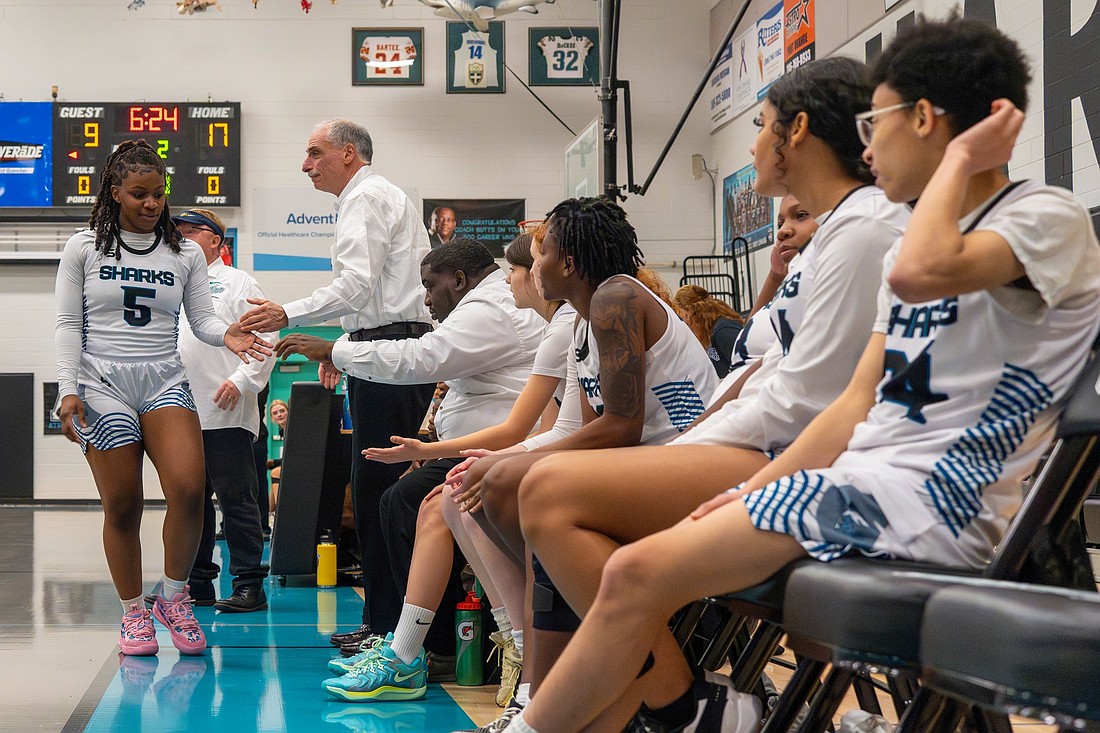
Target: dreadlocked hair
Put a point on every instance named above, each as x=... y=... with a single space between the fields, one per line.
x=596 y=234
x=132 y=156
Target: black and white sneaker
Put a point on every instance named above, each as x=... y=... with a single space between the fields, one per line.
x=498 y=725
x=718 y=709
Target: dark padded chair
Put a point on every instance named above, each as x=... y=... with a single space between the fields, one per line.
x=862 y=615
x=1025 y=650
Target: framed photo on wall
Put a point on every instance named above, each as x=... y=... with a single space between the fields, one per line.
x=475 y=60
x=382 y=56
x=563 y=57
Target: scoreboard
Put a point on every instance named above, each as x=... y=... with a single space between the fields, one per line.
x=200 y=143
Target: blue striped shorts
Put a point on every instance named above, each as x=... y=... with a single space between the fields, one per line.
x=115 y=394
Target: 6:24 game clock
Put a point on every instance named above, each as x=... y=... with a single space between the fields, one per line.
x=199 y=142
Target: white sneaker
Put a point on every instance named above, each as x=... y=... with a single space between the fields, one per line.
x=498 y=725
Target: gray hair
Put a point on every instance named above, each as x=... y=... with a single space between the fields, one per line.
x=342 y=131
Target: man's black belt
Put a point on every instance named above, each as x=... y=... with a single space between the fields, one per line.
x=408 y=329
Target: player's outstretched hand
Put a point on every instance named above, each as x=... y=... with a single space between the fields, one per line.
x=405 y=449
x=266 y=316
x=245 y=344
x=988 y=144
x=71 y=410
x=328 y=374
x=311 y=347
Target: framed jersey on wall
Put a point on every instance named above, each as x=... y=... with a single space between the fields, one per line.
x=563 y=57
x=475 y=60
x=387 y=56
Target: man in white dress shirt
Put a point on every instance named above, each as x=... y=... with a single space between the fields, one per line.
x=375 y=291
x=225 y=396
x=484 y=350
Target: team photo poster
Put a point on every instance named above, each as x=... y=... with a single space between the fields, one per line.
x=475 y=60
x=381 y=56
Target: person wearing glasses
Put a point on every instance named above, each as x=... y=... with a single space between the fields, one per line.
x=575 y=509
x=987 y=311
x=225 y=395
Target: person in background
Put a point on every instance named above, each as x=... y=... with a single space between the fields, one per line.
x=375 y=291
x=713 y=322
x=225 y=392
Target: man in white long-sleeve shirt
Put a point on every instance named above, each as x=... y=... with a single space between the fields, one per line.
x=484 y=350
x=375 y=291
x=225 y=396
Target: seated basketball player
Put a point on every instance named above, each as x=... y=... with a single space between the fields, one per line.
x=577 y=508
x=986 y=315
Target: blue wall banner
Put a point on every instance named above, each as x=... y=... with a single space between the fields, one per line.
x=26 y=138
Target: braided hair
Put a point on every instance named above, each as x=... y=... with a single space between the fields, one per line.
x=596 y=234
x=132 y=156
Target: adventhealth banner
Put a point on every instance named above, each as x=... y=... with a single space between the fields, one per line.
x=293 y=229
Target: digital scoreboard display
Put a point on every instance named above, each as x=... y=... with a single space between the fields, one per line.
x=200 y=143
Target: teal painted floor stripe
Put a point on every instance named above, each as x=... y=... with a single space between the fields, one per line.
x=262 y=672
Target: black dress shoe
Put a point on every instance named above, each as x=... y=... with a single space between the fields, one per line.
x=245 y=598
x=350 y=638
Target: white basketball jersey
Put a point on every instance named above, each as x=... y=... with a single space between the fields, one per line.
x=752 y=343
x=974 y=383
x=678 y=376
x=131 y=305
x=475 y=62
x=565 y=57
x=388 y=57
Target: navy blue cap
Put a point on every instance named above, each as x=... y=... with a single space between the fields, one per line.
x=206 y=219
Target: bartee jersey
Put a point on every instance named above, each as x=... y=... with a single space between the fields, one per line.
x=388 y=57
x=475 y=62
x=565 y=57
x=678 y=375
x=127 y=309
x=974 y=383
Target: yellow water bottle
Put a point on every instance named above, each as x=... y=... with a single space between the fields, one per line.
x=326 y=611
x=326 y=561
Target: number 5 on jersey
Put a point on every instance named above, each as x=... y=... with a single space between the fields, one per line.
x=135 y=313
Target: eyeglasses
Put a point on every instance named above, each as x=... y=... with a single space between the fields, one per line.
x=191 y=228
x=865 y=121
x=758 y=120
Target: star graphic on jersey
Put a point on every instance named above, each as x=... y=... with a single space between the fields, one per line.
x=909 y=383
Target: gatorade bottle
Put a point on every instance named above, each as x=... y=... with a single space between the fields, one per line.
x=468 y=669
x=326 y=561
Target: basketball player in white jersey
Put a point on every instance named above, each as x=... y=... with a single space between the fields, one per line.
x=989 y=305
x=575 y=509
x=122 y=386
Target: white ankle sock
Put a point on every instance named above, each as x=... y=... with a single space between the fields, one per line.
x=412 y=627
x=169 y=587
x=501 y=617
x=139 y=601
x=519 y=725
x=523 y=694
x=517 y=634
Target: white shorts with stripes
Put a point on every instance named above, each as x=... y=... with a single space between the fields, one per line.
x=115 y=394
x=873 y=510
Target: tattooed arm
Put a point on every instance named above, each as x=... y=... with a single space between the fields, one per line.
x=622 y=321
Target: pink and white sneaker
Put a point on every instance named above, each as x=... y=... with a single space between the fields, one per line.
x=178 y=617
x=137 y=638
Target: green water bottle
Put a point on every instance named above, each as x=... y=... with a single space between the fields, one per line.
x=468 y=669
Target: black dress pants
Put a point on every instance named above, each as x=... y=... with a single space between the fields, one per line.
x=400 y=507
x=377 y=412
x=231 y=476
